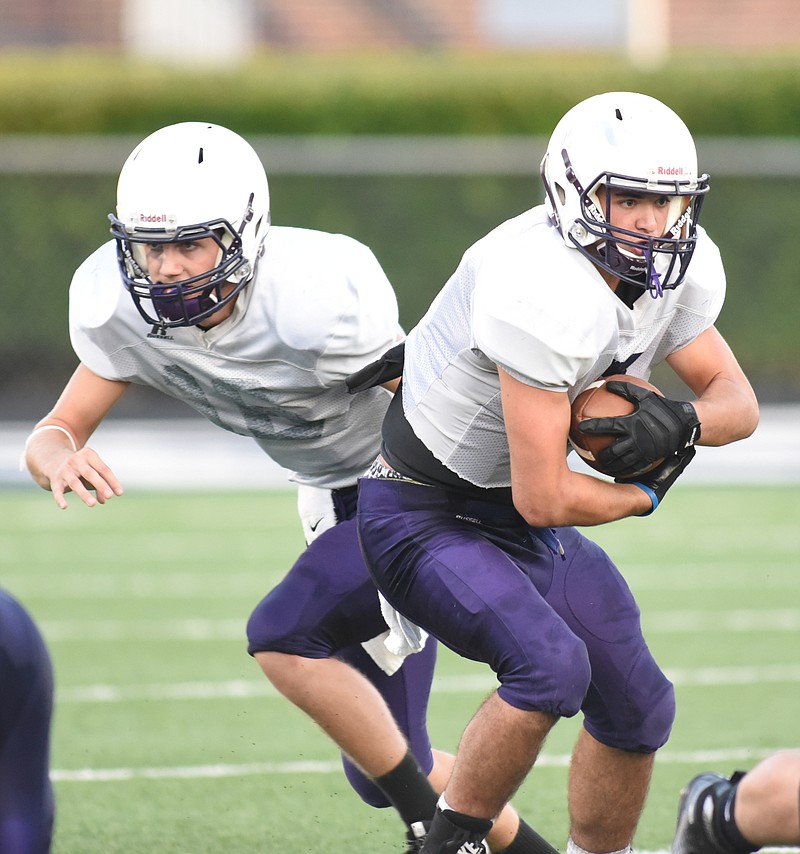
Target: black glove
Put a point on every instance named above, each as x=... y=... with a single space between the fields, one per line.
x=656 y=482
x=657 y=428
x=388 y=367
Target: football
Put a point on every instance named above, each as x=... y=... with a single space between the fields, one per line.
x=597 y=401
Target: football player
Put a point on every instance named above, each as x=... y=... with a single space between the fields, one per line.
x=740 y=814
x=256 y=327
x=466 y=520
x=27 y=805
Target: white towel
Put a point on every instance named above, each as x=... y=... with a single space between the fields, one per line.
x=390 y=648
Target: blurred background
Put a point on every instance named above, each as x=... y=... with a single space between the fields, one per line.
x=413 y=125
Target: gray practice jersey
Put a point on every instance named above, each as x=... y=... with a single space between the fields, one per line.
x=523 y=300
x=319 y=308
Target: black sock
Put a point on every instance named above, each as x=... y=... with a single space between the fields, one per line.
x=467 y=822
x=528 y=841
x=452 y=829
x=725 y=826
x=409 y=790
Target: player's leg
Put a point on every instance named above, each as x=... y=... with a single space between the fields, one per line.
x=767 y=804
x=302 y=635
x=456 y=555
x=317 y=616
x=327 y=603
x=598 y=776
x=629 y=707
x=406 y=693
x=26 y=796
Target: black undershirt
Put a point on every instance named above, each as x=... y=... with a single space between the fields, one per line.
x=406 y=454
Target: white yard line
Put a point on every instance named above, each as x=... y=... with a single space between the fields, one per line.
x=245 y=689
x=102 y=775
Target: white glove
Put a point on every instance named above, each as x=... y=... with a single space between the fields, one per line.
x=316 y=511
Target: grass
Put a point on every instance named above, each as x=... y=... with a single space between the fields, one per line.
x=166 y=737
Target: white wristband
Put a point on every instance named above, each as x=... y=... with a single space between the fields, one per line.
x=52 y=427
x=41 y=429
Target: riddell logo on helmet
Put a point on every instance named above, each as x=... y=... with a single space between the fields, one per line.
x=153 y=217
x=671 y=170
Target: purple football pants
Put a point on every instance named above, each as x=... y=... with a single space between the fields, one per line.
x=26 y=700
x=327 y=605
x=562 y=633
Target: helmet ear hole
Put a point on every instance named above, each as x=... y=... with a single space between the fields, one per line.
x=561 y=193
x=224 y=237
x=679 y=218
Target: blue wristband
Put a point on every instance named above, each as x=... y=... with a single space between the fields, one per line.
x=651 y=495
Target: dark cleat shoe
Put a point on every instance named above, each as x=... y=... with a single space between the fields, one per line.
x=695 y=833
x=416 y=836
x=444 y=837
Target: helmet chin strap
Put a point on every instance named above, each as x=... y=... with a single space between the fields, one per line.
x=654 y=286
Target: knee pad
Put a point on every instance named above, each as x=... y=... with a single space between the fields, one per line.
x=639 y=720
x=555 y=684
x=655 y=701
x=326 y=601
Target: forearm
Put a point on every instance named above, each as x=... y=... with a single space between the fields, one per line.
x=728 y=412
x=725 y=402
x=579 y=499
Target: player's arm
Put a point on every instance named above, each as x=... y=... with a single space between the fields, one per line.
x=725 y=402
x=56 y=453
x=546 y=492
x=724 y=410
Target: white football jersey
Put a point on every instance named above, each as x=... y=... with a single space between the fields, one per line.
x=523 y=300
x=319 y=308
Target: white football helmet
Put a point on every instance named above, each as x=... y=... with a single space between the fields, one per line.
x=624 y=139
x=187 y=182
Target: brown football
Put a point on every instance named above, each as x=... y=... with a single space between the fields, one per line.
x=597 y=401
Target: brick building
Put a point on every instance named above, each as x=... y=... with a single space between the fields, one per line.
x=339 y=25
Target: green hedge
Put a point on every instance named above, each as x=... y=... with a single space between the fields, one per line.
x=397 y=93
x=417 y=226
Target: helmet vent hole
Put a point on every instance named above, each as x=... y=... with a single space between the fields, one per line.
x=200 y=156
x=618 y=114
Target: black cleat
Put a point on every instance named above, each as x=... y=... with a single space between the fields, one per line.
x=444 y=837
x=416 y=836
x=695 y=832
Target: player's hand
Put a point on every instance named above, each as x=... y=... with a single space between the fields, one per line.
x=657 y=428
x=84 y=473
x=660 y=479
x=316 y=511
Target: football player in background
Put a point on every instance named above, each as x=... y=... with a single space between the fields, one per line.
x=466 y=518
x=740 y=814
x=27 y=805
x=256 y=328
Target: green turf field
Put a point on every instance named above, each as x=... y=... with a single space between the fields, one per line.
x=167 y=739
